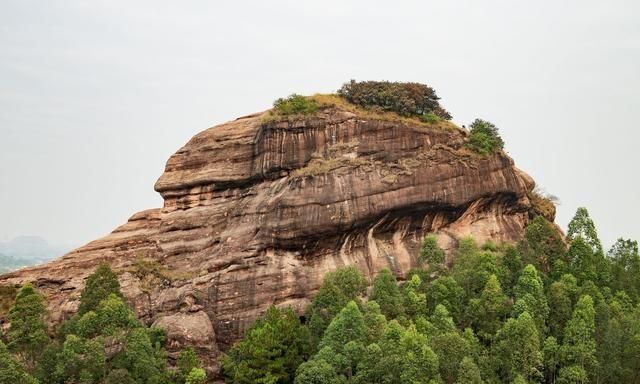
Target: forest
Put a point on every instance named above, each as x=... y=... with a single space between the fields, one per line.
x=103 y=343
x=550 y=309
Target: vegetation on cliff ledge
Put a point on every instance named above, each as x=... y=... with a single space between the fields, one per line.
x=413 y=103
x=545 y=310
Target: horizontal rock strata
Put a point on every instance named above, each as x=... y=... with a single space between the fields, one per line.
x=256 y=213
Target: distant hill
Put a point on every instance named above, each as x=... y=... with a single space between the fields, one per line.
x=24 y=251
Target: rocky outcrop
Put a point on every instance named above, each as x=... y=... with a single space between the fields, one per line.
x=256 y=213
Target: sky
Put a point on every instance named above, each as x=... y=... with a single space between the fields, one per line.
x=96 y=95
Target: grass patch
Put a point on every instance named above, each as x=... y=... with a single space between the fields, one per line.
x=152 y=274
x=327 y=101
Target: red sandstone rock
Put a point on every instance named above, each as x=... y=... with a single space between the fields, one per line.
x=255 y=214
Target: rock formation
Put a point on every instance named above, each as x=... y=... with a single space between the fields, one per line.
x=256 y=212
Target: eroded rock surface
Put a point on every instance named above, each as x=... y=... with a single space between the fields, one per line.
x=256 y=213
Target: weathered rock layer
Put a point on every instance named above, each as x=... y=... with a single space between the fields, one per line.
x=256 y=213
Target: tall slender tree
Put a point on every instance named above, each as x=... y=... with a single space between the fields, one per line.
x=28 y=332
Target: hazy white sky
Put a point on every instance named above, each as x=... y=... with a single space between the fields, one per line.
x=96 y=95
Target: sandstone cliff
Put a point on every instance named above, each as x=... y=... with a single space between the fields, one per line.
x=256 y=212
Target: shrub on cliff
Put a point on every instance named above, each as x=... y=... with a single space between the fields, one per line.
x=406 y=99
x=484 y=138
x=295 y=105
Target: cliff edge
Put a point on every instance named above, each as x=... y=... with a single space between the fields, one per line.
x=256 y=211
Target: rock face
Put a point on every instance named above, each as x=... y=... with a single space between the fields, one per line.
x=256 y=213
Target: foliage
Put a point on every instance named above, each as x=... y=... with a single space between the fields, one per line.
x=104 y=344
x=387 y=294
x=196 y=376
x=541 y=311
x=582 y=226
x=99 y=285
x=406 y=99
x=484 y=138
x=338 y=288
x=530 y=297
x=270 y=352
x=11 y=372
x=517 y=349
x=28 y=333
x=295 y=104
x=431 y=253
x=543 y=245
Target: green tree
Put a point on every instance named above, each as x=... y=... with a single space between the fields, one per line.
x=374 y=320
x=318 y=371
x=451 y=349
x=489 y=310
x=27 y=333
x=387 y=294
x=295 y=104
x=119 y=376
x=99 y=285
x=530 y=297
x=196 y=376
x=406 y=99
x=517 y=349
x=347 y=326
x=625 y=261
x=270 y=352
x=579 y=345
x=512 y=266
x=582 y=226
x=338 y=288
x=407 y=358
x=472 y=267
x=543 y=245
x=415 y=302
x=562 y=295
x=552 y=359
x=81 y=361
x=446 y=291
x=442 y=321
x=583 y=261
x=484 y=137
x=469 y=373
x=431 y=253
x=11 y=372
x=187 y=362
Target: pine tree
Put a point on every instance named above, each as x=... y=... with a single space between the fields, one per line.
x=469 y=373
x=338 y=288
x=99 y=285
x=579 y=345
x=272 y=349
x=582 y=226
x=347 y=326
x=28 y=332
x=517 y=349
x=561 y=298
x=446 y=291
x=415 y=302
x=318 y=371
x=451 y=349
x=387 y=294
x=530 y=297
x=431 y=253
x=491 y=308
